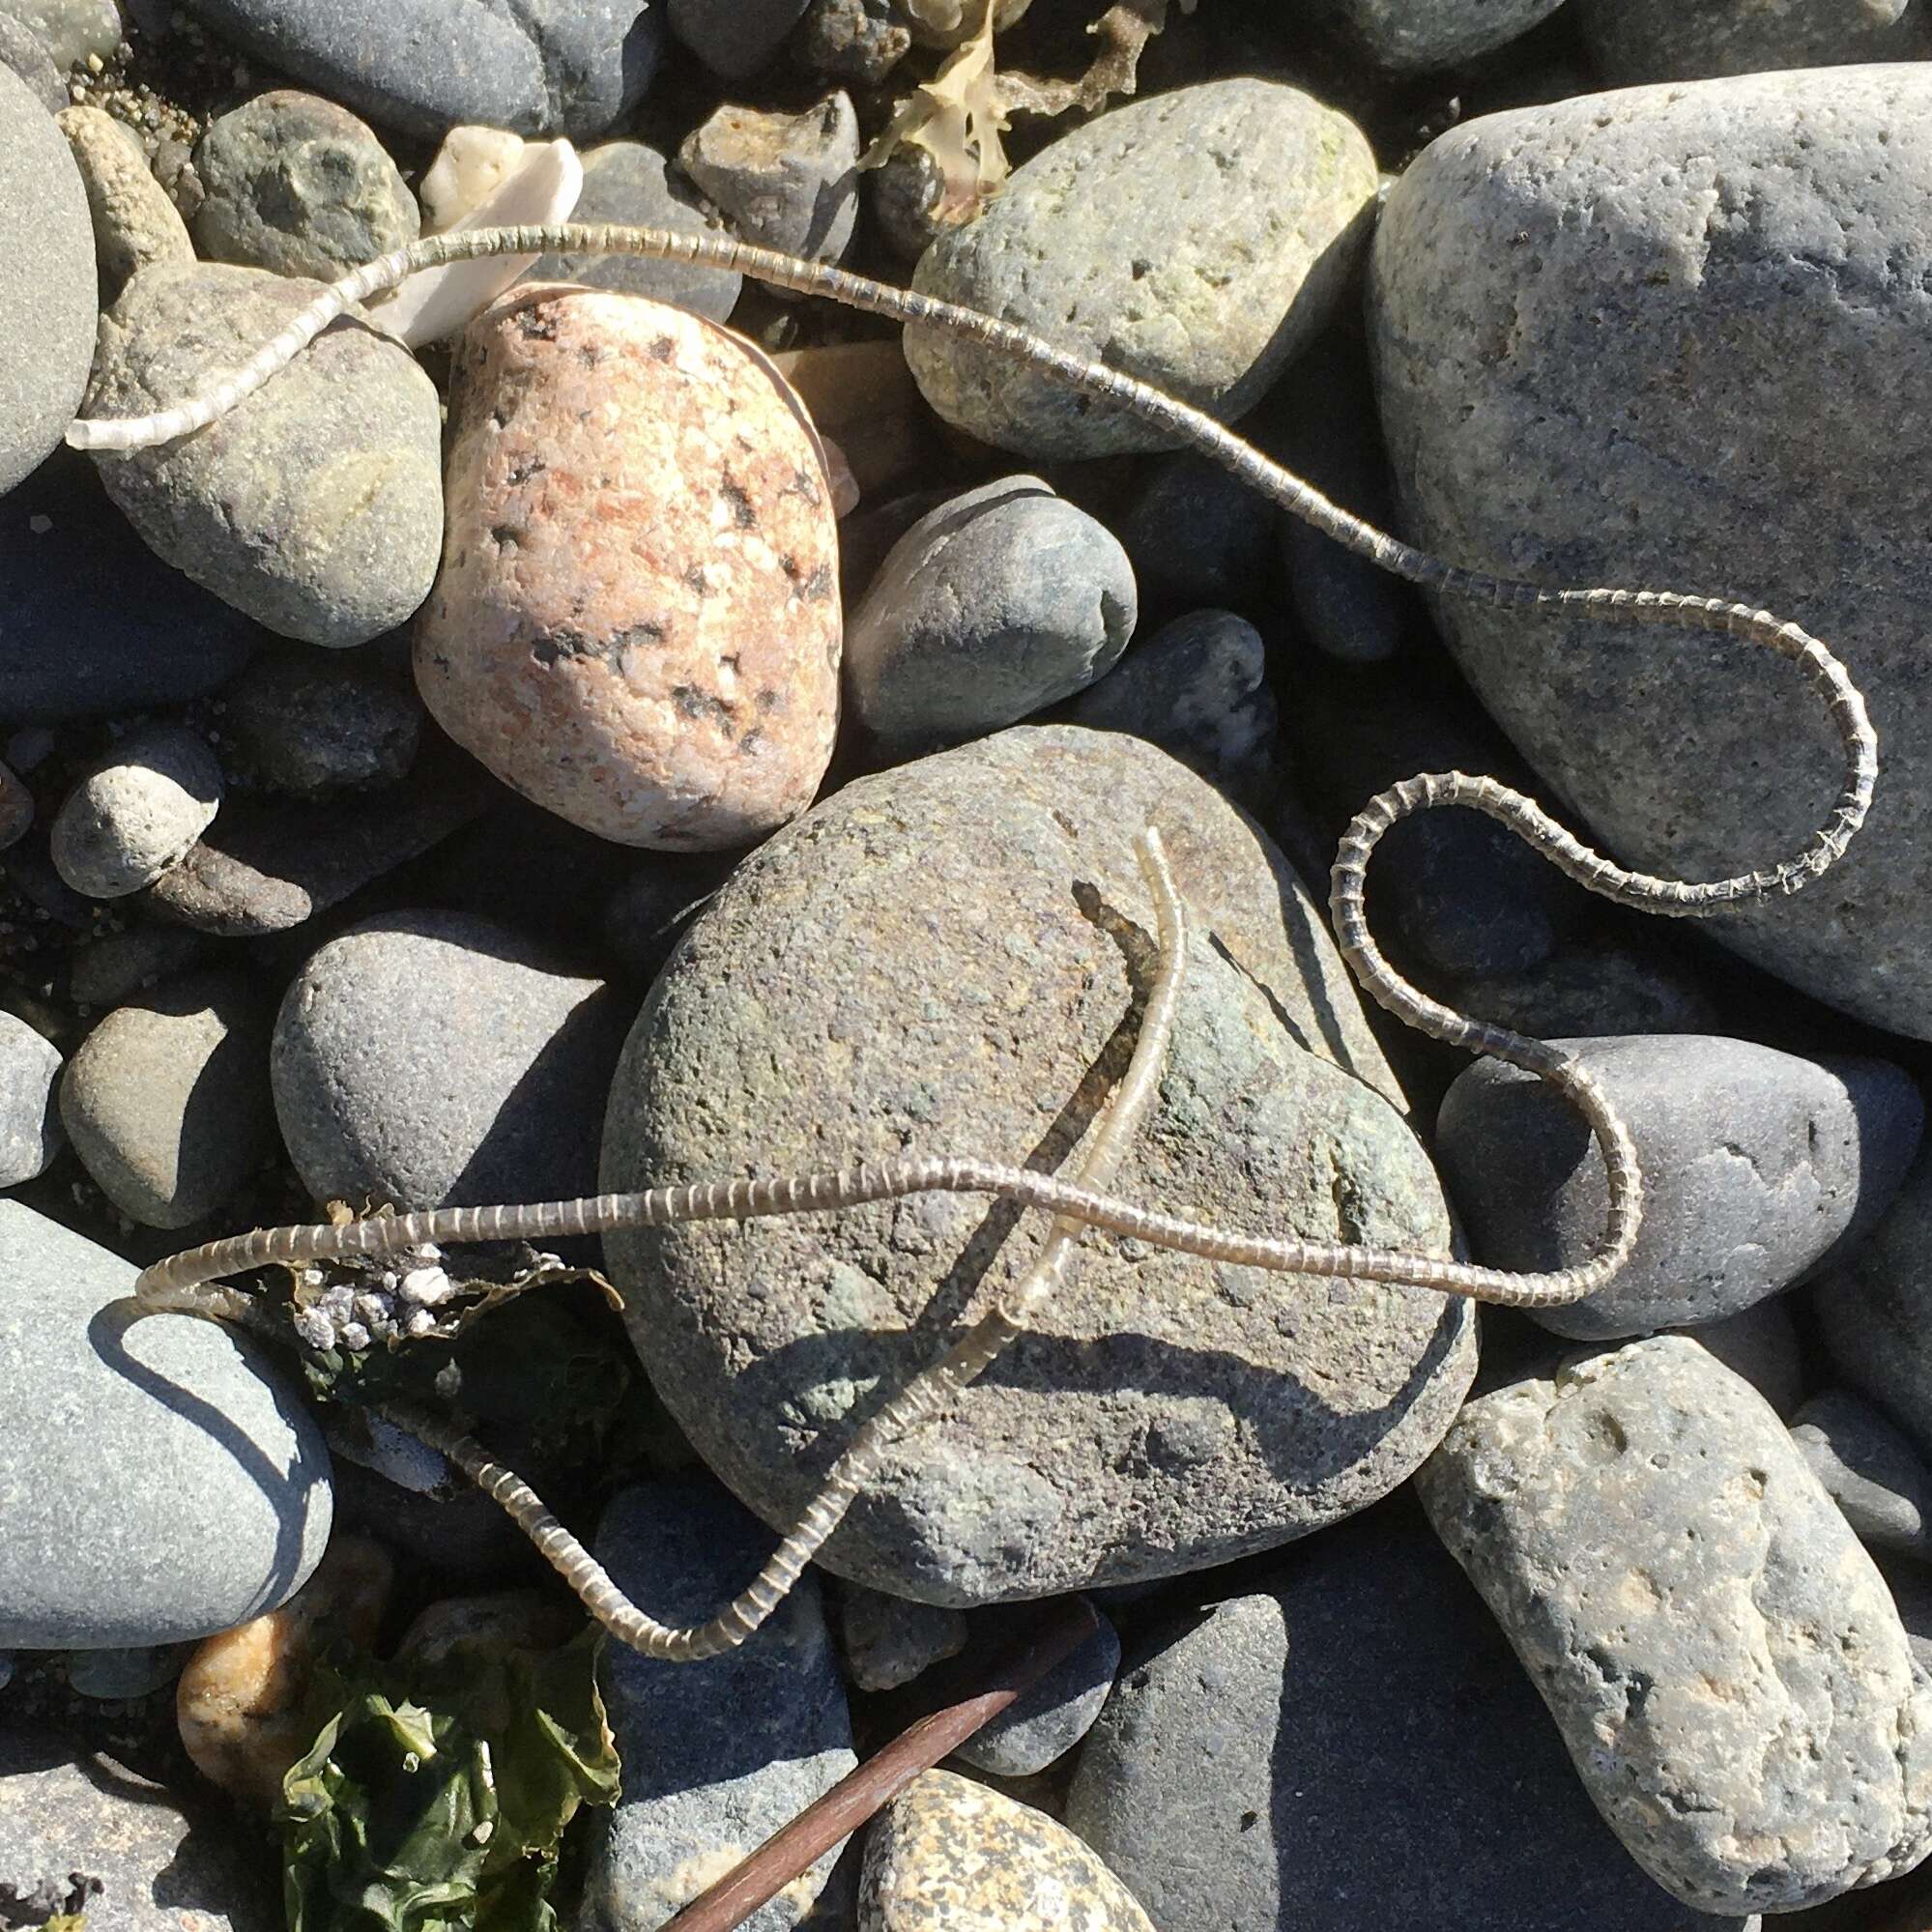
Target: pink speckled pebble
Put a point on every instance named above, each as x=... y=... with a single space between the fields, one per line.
x=637 y=622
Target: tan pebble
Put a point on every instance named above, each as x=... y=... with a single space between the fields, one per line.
x=637 y=623
x=534 y=1619
x=951 y=1856
x=238 y=1702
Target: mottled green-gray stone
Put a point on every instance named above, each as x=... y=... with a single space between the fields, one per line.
x=1197 y=239
x=946 y=957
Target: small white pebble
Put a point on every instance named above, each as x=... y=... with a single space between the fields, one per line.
x=426 y=1286
x=419 y=1321
x=314 y=1329
x=353 y=1335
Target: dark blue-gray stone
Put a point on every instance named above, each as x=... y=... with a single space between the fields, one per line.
x=716 y=1755
x=1870 y=1468
x=1050 y=1717
x=1354 y=1750
x=1756 y=1163
x=537 y=67
x=159 y=1480
x=997 y=603
x=92 y=623
x=733 y=37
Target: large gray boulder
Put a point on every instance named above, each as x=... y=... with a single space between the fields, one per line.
x=946 y=956
x=1665 y=338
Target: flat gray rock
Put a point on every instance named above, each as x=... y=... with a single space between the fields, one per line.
x=316 y=507
x=166 y=1101
x=1869 y=1468
x=136 y=811
x=716 y=1755
x=1632 y=40
x=1874 y=1310
x=627 y=183
x=30 y=1130
x=946 y=957
x=159 y=1480
x=433 y=1060
x=296 y=183
x=1414 y=36
x=1196 y=240
x=48 y=290
x=1722 y=1658
x=555 y=67
x=1755 y=1163
x=996 y=604
x=1661 y=339
x=83 y=1833
x=785 y=181
x=1354 y=1750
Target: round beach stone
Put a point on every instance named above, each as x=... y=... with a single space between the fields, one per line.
x=136 y=813
x=1632 y=40
x=48 y=290
x=298 y=185
x=432 y=1060
x=993 y=605
x=787 y=182
x=316 y=507
x=160 y=1479
x=716 y=1756
x=23 y=50
x=83 y=1833
x=1869 y=1468
x=166 y=1100
x=1607 y=354
x=628 y=184
x=941 y=957
x=548 y=69
x=1198 y=535
x=1755 y=1164
x=889 y=1641
x=1230 y=1783
x=637 y=624
x=1196 y=240
x=951 y=1856
x=135 y=224
x=860 y=40
x=1414 y=36
x=30 y=1130
x=1722 y=1658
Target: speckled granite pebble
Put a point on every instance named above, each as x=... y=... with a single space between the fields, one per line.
x=135 y=224
x=491 y=1092
x=47 y=289
x=1755 y=1163
x=716 y=1755
x=162 y=1480
x=316 y=507
x=951 y=1856
x=1196 y=240
x=136 y=813
x=296 y=183
x=1722 y=1656
x=637 y=624
x=30 y=1130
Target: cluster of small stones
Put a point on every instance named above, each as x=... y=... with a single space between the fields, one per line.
x=663 y=733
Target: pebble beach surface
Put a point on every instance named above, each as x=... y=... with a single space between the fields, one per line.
x=593 y=723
